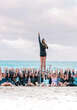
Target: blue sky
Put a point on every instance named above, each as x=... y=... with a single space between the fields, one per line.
x=20 y=21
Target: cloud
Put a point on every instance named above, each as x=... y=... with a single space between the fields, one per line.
x=10 y=3
x=59 y=52
x=63 y=16
x=59 y=47
x=19 y=43
x=20 y=21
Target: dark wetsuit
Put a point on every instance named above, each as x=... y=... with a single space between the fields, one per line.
x=42 y=48
x=3 y=81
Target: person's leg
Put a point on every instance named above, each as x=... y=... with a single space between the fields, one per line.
x=30 y=84
x=42 y=84
x=41 y=58
x=6 y=84
x=44 y=62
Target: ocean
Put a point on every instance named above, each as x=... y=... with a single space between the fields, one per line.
x=36 y=64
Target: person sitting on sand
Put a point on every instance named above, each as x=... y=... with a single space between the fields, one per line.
x=66 y=81
x=16 y=80
x=50 y=79
x=29 y=79
x=36 y=78
x=71 y=79
x=26 y=79
x=21 y=79
x=54 y=79
x=61 y=79
x=3 y=80
x=45 y=81
x=33 y=79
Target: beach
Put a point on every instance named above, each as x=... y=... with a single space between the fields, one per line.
x=38 y=98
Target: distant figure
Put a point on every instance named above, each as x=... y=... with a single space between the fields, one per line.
x=43 y=47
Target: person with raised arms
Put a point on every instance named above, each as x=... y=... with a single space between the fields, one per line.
x=43 y=54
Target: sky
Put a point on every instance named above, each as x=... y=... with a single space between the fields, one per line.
x=21 y=20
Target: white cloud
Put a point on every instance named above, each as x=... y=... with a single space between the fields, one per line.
x=60 y=47
x=11 y=25
x=64 y=16
x=10 y=3
x=62 y=53
x=20 y=20
x=19 y=43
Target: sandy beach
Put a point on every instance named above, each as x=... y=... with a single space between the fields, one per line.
x=38 y=98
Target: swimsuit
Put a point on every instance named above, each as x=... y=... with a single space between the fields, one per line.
x=3 y=81
x=42 y=49
x=46 y=81
x=54 y=81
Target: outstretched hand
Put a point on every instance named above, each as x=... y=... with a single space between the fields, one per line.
x=38 y=34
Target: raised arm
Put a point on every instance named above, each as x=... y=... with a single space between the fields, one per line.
x=39 y=38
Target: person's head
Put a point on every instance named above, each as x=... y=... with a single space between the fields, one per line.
x=62 y=75
x=14 y=75
x=61 y=71
x=46 y=77
x=21 y=75
x=29 y=74
x=73 y=72
x=8 y=75
x=33 y=75
x=43 y=76
x=4 y=75
x=26 y=75
x=43 y=41
x=54 y=75
x=49 y=75
x=56 y=71
x=16 y=70
x=65 y=73
x=36 y=74
x=69 y=74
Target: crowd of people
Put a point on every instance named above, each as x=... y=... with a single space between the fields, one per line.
x=33 y=77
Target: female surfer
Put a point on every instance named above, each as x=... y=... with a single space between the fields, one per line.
x=43 y=47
